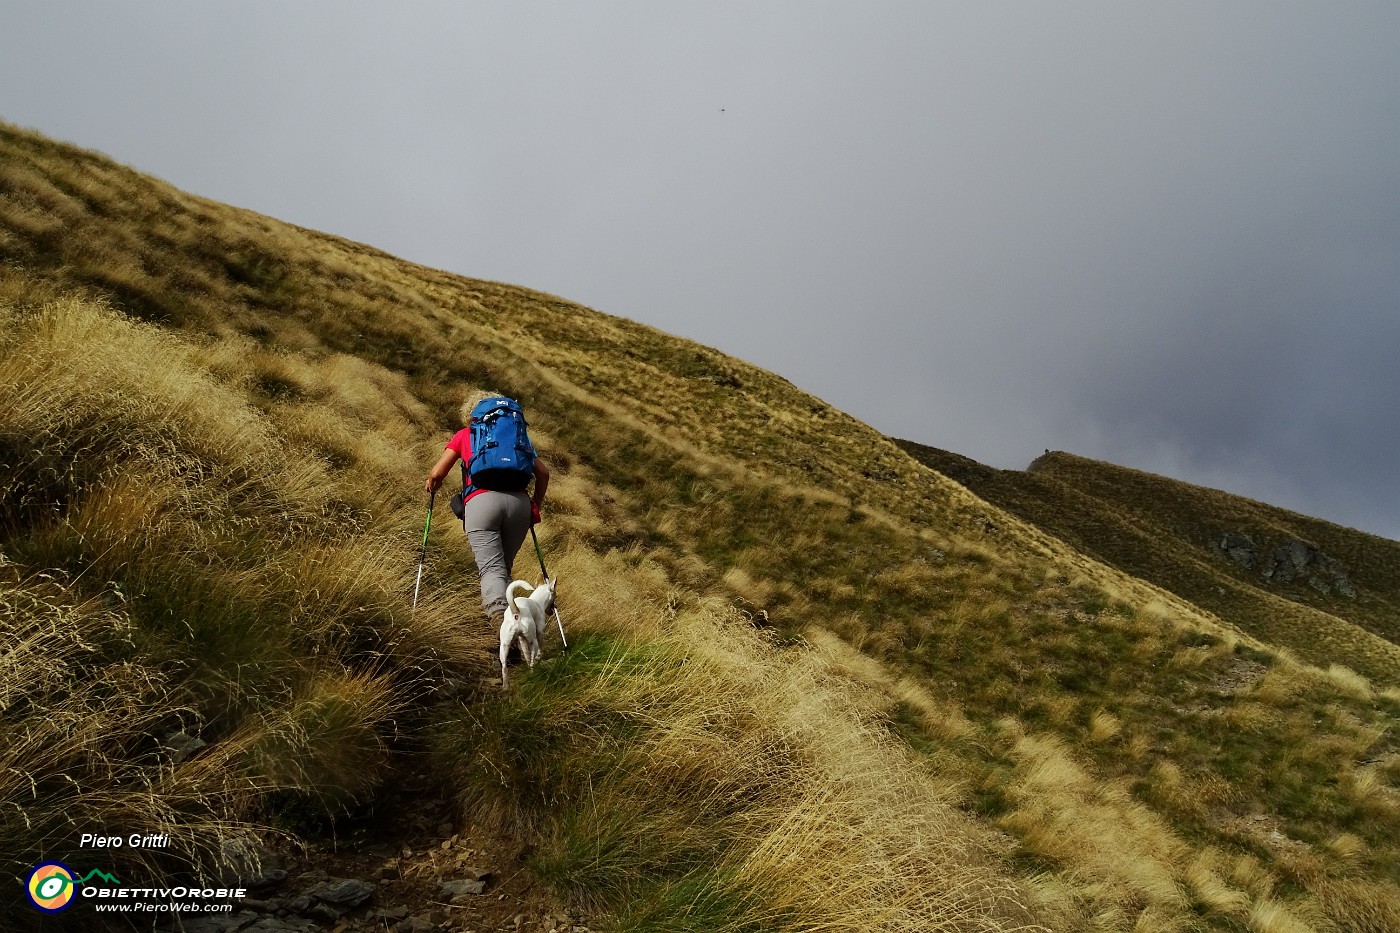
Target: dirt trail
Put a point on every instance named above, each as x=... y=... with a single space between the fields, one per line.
x=416 y=869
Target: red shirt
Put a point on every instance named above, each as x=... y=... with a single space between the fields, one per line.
x=462 y=443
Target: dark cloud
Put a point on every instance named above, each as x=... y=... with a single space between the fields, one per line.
x=1274 y=374
x=1164 y=236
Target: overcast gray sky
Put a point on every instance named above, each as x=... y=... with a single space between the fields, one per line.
x=1165 y=235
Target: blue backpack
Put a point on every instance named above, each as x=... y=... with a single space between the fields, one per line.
x=502 y=457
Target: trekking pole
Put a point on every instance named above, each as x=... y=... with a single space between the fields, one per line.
x=423 y=549
x=540 y=555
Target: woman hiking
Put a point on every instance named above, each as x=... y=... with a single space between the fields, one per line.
x=497 y=510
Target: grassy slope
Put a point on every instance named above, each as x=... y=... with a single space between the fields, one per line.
x=1162 y=530
x=1112 y=754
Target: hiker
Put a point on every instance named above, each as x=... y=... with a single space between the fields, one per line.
x=495 y=520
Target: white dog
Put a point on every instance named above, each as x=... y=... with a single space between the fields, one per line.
x=526 y=619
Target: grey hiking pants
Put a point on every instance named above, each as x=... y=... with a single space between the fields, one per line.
x=496 y=524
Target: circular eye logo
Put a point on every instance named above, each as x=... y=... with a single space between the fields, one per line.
x=50 y=887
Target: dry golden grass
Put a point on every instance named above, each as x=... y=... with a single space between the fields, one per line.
x=828 y=823
x=1347 y=680
x=1061 y=814
x=1104 y=726
x=1362 y=906
x=1211 y=888
x=1269 y=916
x=77 y=746
x=184 y=534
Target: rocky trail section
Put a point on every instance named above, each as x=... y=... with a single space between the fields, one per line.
x=417 y=870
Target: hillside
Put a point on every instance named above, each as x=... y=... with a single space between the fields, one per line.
x=1326 y=592
x=212 y=463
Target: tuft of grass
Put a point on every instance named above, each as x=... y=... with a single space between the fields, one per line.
x=1211 y=889
x=1271 y=916
x=1350 y=682
x=698 y=903
x=329 y=743
x=1104 y=726
x=1360 y=906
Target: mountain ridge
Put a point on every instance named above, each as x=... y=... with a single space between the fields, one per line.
x=1123 y=515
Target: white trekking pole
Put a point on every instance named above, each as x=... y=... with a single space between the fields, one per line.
x=540 y=555
x=423 y=549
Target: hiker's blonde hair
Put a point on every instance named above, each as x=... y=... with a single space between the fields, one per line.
x=474 y=399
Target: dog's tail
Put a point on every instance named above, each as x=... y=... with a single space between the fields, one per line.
x=510 y=590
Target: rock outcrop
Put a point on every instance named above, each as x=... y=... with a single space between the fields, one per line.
x=1284 y=562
